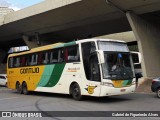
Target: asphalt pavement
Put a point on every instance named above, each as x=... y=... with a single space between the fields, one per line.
x=10 y=100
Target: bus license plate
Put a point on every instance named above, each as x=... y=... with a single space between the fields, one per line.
x=123 y=90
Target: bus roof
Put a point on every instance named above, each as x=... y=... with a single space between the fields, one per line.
x=37 y=49
x=99 y=39
x=57 y=45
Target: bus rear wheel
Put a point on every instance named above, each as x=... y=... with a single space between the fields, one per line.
x=76 y=92
x=18 y=88
x=25 y=88
x=6 y=85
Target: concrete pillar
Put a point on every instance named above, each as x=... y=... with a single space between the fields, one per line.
x=2 y=55
x=2 y=64
x=30 y=42
x=148 y=37
x=35 y=41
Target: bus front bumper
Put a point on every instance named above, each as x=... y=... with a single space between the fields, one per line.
x=109 y=91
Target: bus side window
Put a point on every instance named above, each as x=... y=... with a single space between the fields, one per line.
x=10 y=63
x=61 y=55
x=33 y=59
x=40 y=58
x=54 y=56
x=72 y=54
x=29 y=60
x=16 y=61
x=45 y=58
x=66 y=54
x=23 y=61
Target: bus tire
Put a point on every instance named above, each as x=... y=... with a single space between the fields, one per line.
x=158 y=93
x=6 y=85
x=18 y=87
x=25 y=88
x=76 y=92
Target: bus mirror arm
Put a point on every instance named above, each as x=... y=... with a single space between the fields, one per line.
x=101 y=56
x=76 y=63
x=136 y=55
x=136 y=63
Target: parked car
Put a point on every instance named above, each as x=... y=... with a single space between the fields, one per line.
x=155 y=87
x=3 y=79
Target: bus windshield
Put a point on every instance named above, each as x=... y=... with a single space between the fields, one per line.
x=113 y=46
x=117 y=66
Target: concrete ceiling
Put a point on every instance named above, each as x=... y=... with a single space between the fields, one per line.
x=71 y=19
x=125 y=36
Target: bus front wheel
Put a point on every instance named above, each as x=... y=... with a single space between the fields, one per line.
x=25 y=88
x=76 y=92
x=18 y=88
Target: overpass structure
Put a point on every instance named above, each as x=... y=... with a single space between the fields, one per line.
x=67 y=20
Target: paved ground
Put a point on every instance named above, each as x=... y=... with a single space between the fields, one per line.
x=144 y=85
x=12 y=101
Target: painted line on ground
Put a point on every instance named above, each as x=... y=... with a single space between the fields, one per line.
x=9 y=98
x=145 y=92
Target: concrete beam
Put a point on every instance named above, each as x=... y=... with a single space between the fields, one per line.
x=147 y=35
x=80 y=16
x=125 y=36
x=1 y=19
x=40 y=8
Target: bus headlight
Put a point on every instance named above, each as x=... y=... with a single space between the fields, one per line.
x=133 y=82
x=107 y=84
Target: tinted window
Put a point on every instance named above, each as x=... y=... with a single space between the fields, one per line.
x=10 y=63
x=72 y=54
x=94 y=68
x=32 y=59
x=45 y=57
x=16 y=62
x=135 y=58
x=23 y=61
x=54 y=56
x=87 y=49
x=2 y=77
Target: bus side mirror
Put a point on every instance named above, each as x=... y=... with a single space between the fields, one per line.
x=101 y=56
x=138 y=75
x=136 y=57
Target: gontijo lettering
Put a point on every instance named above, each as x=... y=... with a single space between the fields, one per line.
x=29 y=70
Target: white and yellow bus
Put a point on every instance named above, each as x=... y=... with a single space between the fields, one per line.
x=90 y=67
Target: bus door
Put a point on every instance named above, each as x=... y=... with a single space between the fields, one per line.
x=94 y=81
x=91 y=68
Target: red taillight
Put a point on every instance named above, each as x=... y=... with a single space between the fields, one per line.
x=153 y=81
